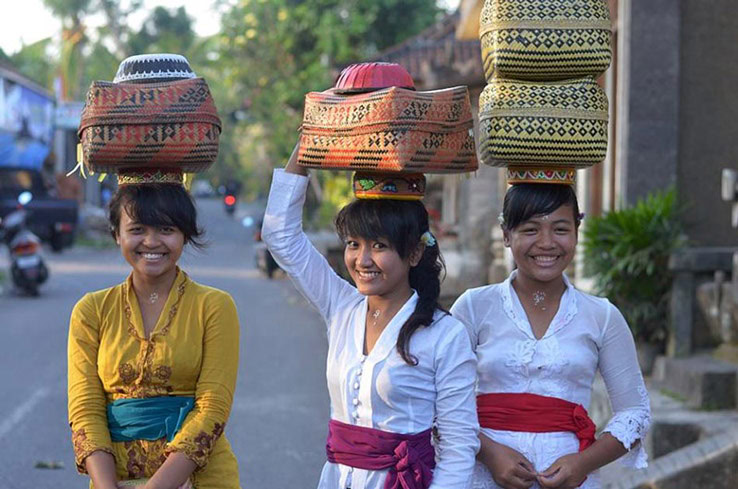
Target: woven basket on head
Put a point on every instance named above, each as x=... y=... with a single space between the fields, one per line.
x=164 y=125
x=389 y=130
x=545 y=39
x=543 y=125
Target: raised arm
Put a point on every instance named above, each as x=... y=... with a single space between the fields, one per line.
x=456 y=409
x=282 y=232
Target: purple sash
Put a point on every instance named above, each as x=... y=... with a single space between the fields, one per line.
x=410 y=458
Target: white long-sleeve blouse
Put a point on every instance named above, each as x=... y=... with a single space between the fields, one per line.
x=587 y=333
x=379 y=390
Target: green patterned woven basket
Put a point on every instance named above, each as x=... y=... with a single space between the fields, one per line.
x=545 y=39
x=540 y=124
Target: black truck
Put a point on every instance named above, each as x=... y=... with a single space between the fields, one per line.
x=52 y=219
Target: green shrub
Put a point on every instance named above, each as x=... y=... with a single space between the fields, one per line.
x=627 y=253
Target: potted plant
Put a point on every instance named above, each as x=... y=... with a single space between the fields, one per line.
x=627 y=253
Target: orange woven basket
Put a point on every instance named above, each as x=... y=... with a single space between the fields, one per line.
x=167 y=125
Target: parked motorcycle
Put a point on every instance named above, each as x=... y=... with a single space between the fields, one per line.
x=27 y=267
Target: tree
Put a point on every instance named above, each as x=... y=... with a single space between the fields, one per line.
x=33 y=61
x=164 y=31
x=272 y=52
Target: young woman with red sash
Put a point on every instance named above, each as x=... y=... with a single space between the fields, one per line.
x=395 y=360
x=539 y=342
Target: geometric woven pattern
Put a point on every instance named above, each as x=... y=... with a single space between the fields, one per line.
x=393 y=186
x=389 y=130
x=560 y=124
x=165 y=125
x=144 y=176
x=559 y=176
x=545 y=39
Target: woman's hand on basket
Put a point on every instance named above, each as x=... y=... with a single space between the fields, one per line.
x=292 y=166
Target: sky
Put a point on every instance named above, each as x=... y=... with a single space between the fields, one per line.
x=34 y=22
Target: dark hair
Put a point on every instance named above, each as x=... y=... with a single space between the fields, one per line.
x=156 y=204
x=402 y=223
x=527 y=200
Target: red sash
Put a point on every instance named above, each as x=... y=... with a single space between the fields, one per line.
x=535 y=414
x=409 y=458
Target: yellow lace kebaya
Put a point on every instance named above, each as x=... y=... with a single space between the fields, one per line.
x=192 y=351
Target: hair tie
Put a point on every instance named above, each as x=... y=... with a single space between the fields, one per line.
x=501 y=219
x=428 y=239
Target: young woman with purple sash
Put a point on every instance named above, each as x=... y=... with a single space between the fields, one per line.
x=397 y=363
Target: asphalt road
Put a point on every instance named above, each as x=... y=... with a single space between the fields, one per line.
x=280 y=412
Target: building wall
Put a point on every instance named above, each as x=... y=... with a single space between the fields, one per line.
x=708 y=117
x=677 y=111
x=649 y=73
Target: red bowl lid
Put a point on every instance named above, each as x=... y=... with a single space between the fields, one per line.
x=366 y=77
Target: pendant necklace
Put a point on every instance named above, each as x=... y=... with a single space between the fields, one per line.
x=538 y=298
x=375 y=315
x=153 y=298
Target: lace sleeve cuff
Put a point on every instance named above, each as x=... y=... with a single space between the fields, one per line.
x=84 y=447
x=630 y=428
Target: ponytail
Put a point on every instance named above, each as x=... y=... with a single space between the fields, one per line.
x=425 y=278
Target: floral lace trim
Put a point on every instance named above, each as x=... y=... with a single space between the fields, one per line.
x=522 y=323
x=83 y=448
x=629 y=427
x=199 y=448
x=172 y=310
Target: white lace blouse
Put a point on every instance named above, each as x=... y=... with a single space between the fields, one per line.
x=379 y=390
x=587 y=333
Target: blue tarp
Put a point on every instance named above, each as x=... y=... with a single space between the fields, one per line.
x=25 y=153
x=26 y=126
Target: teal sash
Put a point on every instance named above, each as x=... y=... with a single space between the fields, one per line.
x=148 y=419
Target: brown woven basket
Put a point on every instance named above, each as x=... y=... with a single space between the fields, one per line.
x=389 y=130
x=165 y=125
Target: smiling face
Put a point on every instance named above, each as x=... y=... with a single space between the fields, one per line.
x=376 y=268
x=543 y=246
x=152 y=251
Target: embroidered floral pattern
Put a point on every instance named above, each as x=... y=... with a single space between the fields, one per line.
x=83 y=447
x=127 y=373
x=172 y=310
x=144 y=457
x=147 y=380
x=163 y=372
x=199 y=449
x=520 y=356
x=552 y=364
